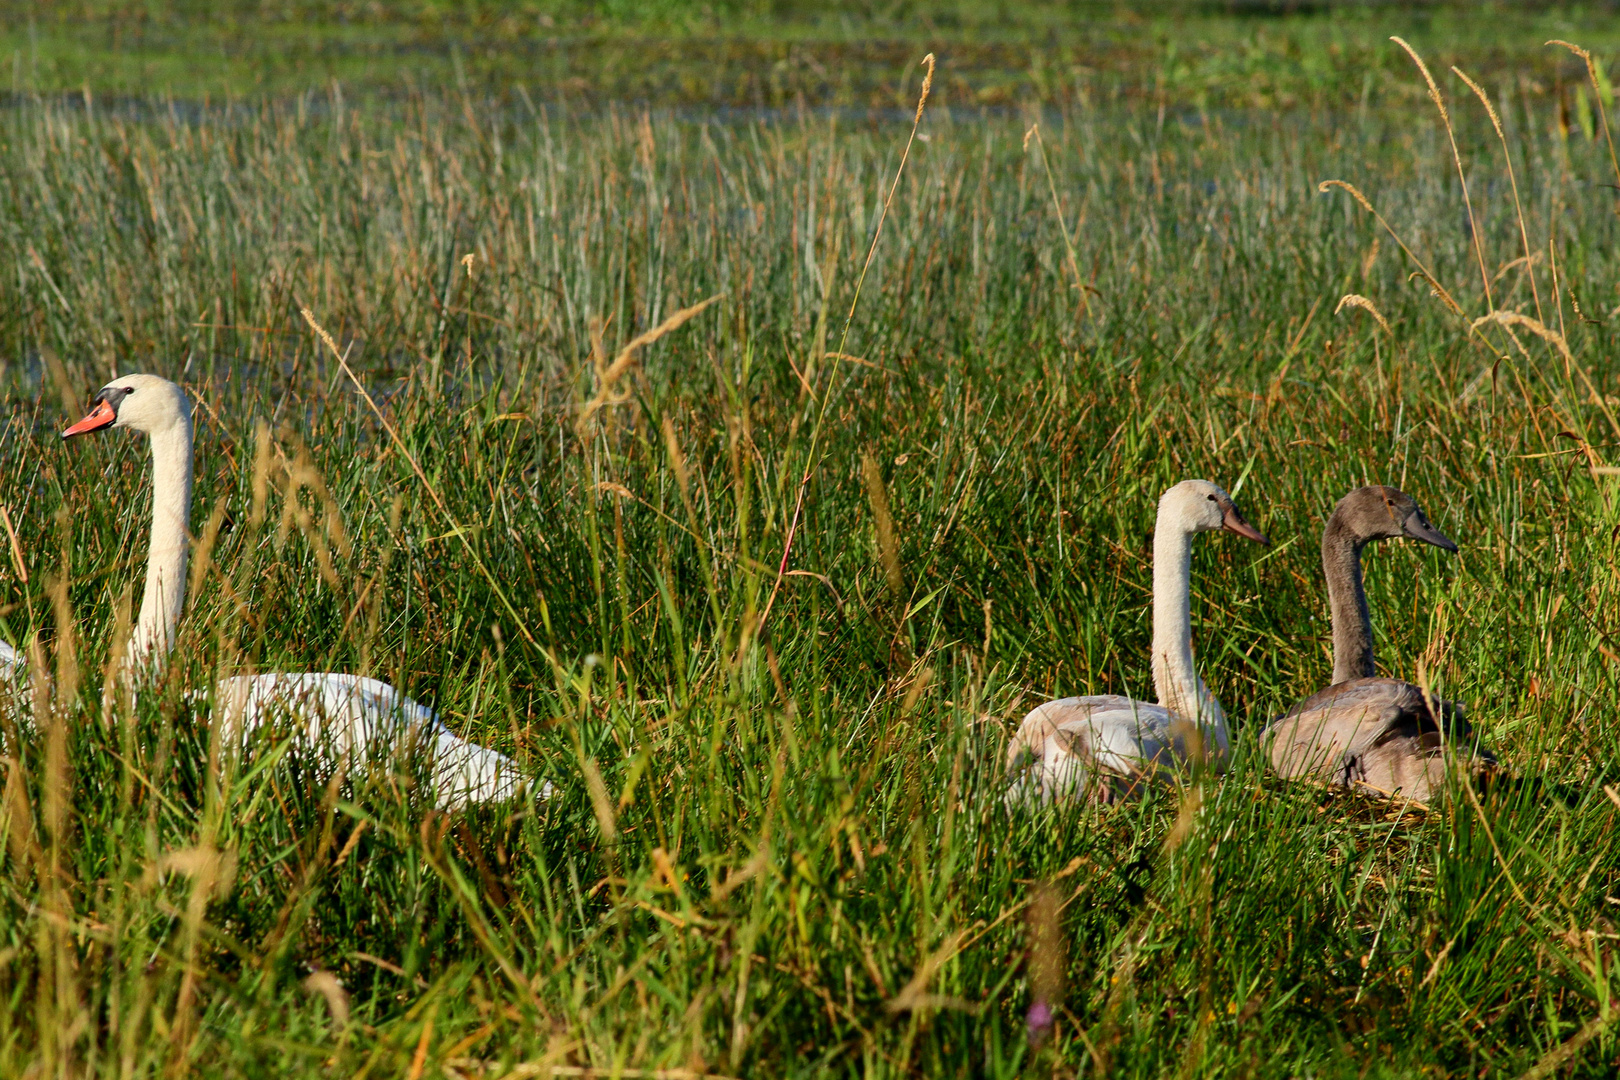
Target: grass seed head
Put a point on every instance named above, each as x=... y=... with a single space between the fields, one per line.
x=1353 y=300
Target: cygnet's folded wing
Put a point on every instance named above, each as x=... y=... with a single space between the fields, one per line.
x=1097 y=747
x=1382 y=734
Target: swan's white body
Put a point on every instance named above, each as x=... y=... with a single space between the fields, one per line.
x=344 y=720
x=1103 y=747
x=351 y=719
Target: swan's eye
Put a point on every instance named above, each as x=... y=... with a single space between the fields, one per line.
x=1211 y=498
x=128 y=390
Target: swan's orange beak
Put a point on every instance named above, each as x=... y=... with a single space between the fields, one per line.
x=99 y=417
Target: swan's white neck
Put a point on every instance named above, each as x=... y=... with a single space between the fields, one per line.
x=154 y=631
x=1175 y=676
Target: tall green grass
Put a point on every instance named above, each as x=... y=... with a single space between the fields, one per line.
x=777 y=846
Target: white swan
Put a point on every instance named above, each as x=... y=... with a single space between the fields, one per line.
x=1102 y=747
x=346 y=718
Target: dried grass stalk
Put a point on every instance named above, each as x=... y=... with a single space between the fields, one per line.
x=1513 y=181
x=1353 y=300
x=17 y=559
x=1597 y=92
x=1535 y=326
x=1437 y=290
x=888 y=546
x=327 y=986
x=600 y=803
x=843 y=339
x=608 y=377
x=1434 y=91
x=1456 y=156
x=1046 y=961
x=1057 y=211
x=416 y=467
x=261 y=471
x=1366 y=204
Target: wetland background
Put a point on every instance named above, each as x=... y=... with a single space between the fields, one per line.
x=777 y=843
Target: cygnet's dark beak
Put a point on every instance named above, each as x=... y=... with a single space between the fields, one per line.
x=1418 y=528
x=1233 y=521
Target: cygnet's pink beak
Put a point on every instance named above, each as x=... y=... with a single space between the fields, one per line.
x=1233 y=521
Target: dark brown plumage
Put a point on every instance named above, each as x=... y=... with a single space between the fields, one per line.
x=1381 y=736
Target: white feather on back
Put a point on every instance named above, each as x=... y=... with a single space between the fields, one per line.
x=1099 y=747
x=346 y=718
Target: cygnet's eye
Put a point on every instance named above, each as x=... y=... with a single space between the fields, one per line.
x=1211 y=498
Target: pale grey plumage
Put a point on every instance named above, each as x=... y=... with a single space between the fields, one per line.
x=1103 y=747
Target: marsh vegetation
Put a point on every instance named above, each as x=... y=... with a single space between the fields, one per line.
x=777 y=843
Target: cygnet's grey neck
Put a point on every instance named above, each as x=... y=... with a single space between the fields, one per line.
x=1347 y=602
